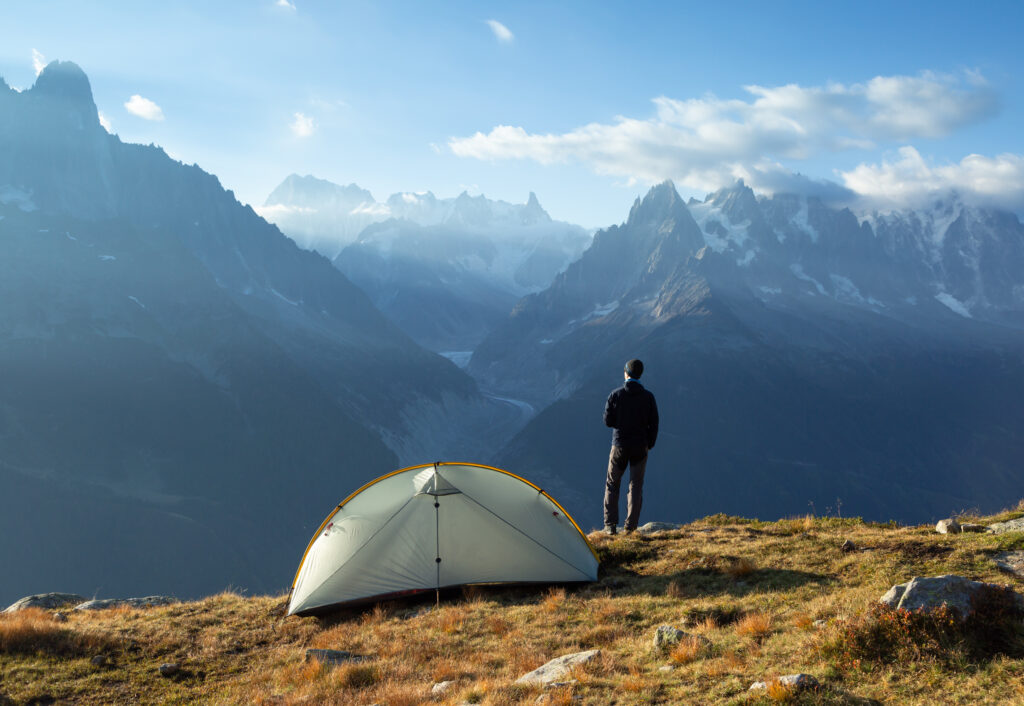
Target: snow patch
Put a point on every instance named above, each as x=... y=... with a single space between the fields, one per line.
x=21 y=199
x=735 y=235
x=70 y=237
x=293 y=303
x=798 y=272
x=800 y=221
x=771 y=290
x=136 y=301
x=746 y=259
x=107 y=258
x=460 y=358
x=954 y=304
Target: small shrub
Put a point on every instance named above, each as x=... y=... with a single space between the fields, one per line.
x=33 y=630
x=553 y=600
x=803 y=621
x=498 y=625
x=721 y=519
x=675 y=590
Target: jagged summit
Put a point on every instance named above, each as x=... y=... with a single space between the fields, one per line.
x=533 y=212
x=661 y=203
x=298 y=190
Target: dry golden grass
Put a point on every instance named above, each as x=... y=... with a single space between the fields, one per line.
x=237 y=650
x=754 y=625
x=687 y=650
x=741 y=568
x=777 y=691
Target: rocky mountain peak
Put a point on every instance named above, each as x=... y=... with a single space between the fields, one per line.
x=64 y=80
x=533 y=212
x=311 y=191
x=661 y=203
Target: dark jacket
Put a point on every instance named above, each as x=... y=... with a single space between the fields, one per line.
x=633 y=414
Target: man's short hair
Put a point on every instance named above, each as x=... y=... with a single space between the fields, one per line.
x=635 y=369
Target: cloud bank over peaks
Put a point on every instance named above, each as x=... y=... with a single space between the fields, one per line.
x=911 y=181
x=709 y=142
x=38 y=61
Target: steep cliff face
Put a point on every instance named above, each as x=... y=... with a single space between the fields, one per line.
x=171 y=358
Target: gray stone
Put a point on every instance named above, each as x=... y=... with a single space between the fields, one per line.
x=332 y=657
x=557 y=668
x=947 y=527
x=169 y=669
x=797 y=682
x=441 y=687
x=972 y=527
x=48 y=601
x=98 y=661
x=1012 y=562
x=657 y=527
x=666 y=668
x=667 y=635
x=848 y=546
x=59 y=617
x=107 y=603
x=1008 y=526
x=819 y=623
x=928 y=593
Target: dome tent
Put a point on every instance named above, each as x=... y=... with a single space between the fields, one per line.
x=438 y=525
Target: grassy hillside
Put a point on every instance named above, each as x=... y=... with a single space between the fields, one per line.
x=773 y=598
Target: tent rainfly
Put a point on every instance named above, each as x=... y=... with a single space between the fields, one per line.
x=438 y=525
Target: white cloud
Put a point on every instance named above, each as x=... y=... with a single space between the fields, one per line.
x=286 y=4
x=38 y=61
x=501 y=32
x=144 y=108
x=105 y=122
x=704 y=143
x=912 y=180
x=302 y=125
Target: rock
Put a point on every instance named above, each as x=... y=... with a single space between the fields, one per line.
x=441 y=687
x=1012 y=562
x=848 y=546
x=560 y=684
x=59 y=617
x=1008 y=526
x=820 y=623
x=557 y=668
x=98 y=661
x=797 y=682
x=928 y=593
x=169 y=669
x=666 y=668
x=972 y=527
x=947 y=527
x=332 y=657
x=107 y=603
x=657 y=527
x=667 y=635
x=48 y=601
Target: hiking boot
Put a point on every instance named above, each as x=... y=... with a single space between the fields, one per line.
x=610 y=529
x=629 y=530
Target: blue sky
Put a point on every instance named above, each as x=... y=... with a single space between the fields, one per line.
x=584 y=103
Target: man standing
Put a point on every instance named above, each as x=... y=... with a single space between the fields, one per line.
x=633 y=415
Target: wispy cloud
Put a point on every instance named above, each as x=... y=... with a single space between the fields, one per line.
x=286 y=4
x=501 y=32
x=302 y=125
x=704 y=143
x=144 y=108
x=105 y=122
x=38 y=61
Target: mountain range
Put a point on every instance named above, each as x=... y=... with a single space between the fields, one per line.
x=445 y=271
x=802 y=357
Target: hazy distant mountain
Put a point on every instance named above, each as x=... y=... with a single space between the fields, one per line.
x=799 y=355
x=182 y=385
x=444 y=270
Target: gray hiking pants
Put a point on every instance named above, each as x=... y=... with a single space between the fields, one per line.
x=618 y=459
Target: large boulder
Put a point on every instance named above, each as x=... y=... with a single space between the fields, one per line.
x=947 y=527
x=794 y=682
x=558 y=668
x=46 y=601
x=927 y=593
x=1012 y=562
x=657 y=527
x=1016 y=525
